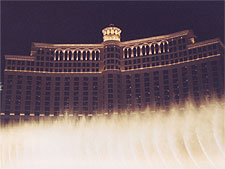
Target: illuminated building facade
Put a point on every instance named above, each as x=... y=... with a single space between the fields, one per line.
x=113 y=76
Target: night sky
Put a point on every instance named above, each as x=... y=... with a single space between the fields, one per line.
x=81 y=22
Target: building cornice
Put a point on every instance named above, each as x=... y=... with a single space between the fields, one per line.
x=65 y=46
x=204 y=43
x=157 y=38
x=17 y=57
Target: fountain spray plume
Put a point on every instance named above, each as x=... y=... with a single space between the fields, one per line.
x=187 y=138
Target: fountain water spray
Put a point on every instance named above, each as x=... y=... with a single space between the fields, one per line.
x=178 y=139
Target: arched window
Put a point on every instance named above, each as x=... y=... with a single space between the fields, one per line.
x=61 y=55
x=152 y=49
x=161 y=47
x=93 y=55
x=129 y=52
x=138 y=51
x=134 y=52
x=97 y=55
x=157 y=48
x=125 y=53
x=147 y=50
x=75 y=55
x=79 y=55
x=88 y=55
x=143 y=50
x=66 y=55
x=56 y=55
x=70 y=55
x=84 y=55
x=166 y=47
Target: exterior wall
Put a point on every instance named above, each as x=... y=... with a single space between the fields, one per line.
x=163 y=86
x=113 y=76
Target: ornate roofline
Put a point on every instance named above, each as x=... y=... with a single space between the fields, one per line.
x=137 y=41
x=158 y=38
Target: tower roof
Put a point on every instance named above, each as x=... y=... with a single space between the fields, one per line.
x=111 y=33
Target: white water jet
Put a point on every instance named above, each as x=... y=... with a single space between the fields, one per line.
x=192 y=138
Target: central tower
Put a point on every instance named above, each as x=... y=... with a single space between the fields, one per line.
x=111 y=74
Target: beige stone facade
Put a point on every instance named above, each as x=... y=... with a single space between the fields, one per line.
x=112 y=77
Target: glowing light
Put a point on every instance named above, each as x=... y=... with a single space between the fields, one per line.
x=192 y=40
x=189 y=138
x=111 y=33
x=11 y=114
x=1 y=86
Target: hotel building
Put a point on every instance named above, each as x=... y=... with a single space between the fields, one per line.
x=112 y=77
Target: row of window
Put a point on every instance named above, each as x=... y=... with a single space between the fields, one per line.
x=50 y=64
x=137 y=61
x=202 y=49
x=47 y=64
x=171 y=56
x=112 y=61
x=134 y=61
x=179 y=41
x=57 y=98
x=77 y=55
x=146 y=50
x=45 y=51
x=136 y=52
x=111 y=49
x=10 y=77
x=107 y=48
x=112 y=55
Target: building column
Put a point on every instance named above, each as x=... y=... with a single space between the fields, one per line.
x=154 y=49
x=141 y=54
x=55 y=55
x=132 y=52
x=63 y=54
x=159 y=44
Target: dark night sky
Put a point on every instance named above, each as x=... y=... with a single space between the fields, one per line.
x=81 y=22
